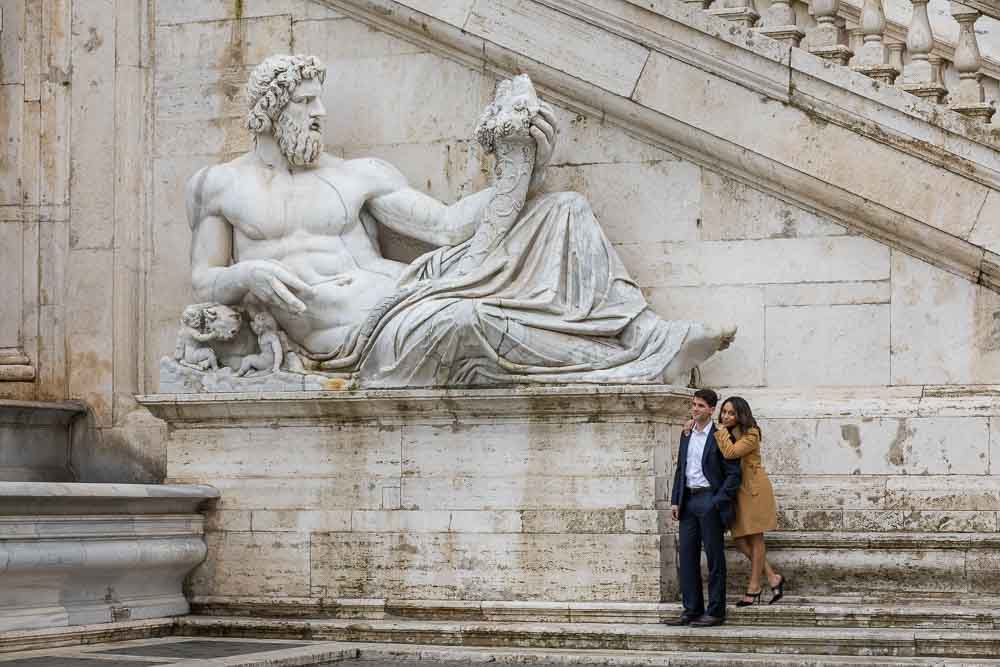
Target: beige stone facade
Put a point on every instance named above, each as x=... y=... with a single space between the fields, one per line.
x=850 y=229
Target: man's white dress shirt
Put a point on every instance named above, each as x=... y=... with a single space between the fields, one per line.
x=696 y=447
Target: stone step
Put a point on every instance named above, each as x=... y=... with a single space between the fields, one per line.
x=821 y=641
x=213 y=652
x=793 y=611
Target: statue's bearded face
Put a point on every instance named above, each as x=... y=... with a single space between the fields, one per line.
x=299 y=130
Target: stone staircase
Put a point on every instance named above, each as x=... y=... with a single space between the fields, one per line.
x=842 y=630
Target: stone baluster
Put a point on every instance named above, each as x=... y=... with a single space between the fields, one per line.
x=895 y=50
x=969 y=98
x=937 y=68
x=824 y=40
x=779 y=23
x=874 y=58
x=855 y=39
x=741 y=12
x=918 y=74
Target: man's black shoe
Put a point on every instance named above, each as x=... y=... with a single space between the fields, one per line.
x=684 y=619
x=707 y=621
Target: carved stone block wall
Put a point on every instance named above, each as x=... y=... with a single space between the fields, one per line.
x=544 y=493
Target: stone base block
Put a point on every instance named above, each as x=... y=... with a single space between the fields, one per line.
x=837 y=53
x=527 y=493
x=790 y=35
x=180 y=379
x=78 y=560
x=888 y=566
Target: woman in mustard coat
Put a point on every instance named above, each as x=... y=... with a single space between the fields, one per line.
x=739 y=437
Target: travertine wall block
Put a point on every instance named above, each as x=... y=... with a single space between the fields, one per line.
x=438 y=504
x=485 y=567
x=270 y=563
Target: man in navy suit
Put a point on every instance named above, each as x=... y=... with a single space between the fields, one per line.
x=705 y=484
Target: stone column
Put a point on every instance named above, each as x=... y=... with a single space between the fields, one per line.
x=918 y=74
x=741 y=12
x=824 y=40
x=873 y=56
x=779 y=23
x=969 y=98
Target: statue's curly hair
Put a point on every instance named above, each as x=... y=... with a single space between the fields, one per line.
x=271 y=84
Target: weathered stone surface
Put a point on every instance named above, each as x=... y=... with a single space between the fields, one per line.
x=485 y=567
x=733 y=211
x=528 y=449
x=529 y=492
x=828 y=345
x=596 y=56
x=638 y=202
x=897 y=446
x=269 y=563
x=797 y=260
x=927 y=344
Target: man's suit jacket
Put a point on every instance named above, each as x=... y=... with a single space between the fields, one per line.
x=723 y=476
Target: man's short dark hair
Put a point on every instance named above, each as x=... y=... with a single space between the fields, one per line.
x=708 y=396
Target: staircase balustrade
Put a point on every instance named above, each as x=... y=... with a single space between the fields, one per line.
x=917 y=65
x=969 y=98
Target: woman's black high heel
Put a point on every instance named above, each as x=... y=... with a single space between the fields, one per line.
x=755 y=599
x=778 y=591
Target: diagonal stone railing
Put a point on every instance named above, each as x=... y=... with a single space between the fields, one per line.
x=903 y=170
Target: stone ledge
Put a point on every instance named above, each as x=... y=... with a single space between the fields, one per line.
x=40 y=413
x=41 y=498
x=104 y=526
x=909 y=541
x=831 y=611
x=28 y=640
x=814 y=640
x=562 y=401
x=901 y=401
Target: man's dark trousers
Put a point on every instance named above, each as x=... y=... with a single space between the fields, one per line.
x=701 y=525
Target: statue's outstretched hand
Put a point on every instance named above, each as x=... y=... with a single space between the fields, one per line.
x=275 y=285
x=544 y=131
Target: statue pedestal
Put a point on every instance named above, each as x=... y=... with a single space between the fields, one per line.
x=549 y=493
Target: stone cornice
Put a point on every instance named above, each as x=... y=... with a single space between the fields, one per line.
x=671 y=34
x=586 y=401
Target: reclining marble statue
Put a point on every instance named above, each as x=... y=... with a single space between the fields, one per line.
x=522 y=286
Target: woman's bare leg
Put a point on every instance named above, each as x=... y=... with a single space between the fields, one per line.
x=757 y=560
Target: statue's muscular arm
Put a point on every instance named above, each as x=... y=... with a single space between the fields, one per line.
x=411 y=213
x=407 y=211
x=212 y=276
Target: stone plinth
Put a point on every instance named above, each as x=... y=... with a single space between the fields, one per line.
x=537 y=493
x=79 y=554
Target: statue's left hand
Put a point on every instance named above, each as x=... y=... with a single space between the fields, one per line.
x=543 y=129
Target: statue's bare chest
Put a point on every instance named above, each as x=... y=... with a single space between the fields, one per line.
x=276 y=205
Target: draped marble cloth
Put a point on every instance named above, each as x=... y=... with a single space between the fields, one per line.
x=552 y=303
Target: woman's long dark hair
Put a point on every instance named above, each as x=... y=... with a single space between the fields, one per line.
x=744 y=415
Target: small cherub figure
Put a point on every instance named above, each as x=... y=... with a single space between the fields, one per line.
x=268 y=339
x=189 y=351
